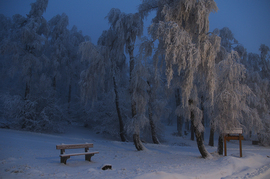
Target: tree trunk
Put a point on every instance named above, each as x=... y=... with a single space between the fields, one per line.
x=202 y=108
x=211 y=137
x=179 y=118
x=192 y=131
x=69 y=97
x=54 y=83
x=151 y=121
x=153 y=131
x=121 y=124
x=131 y=60
x=27 y=86
x=199 y=139
x=153 y=126
x=27 y=91
x=132 y=64
x=220 y=144
x=136 y=135
x=137 y=141
x=187 y=125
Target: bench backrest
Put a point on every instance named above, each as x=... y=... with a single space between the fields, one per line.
x=74 y=146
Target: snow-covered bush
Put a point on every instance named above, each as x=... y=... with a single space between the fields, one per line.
x=101 y=115
x=41 y=115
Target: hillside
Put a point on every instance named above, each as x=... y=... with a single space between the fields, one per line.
x=33 y=155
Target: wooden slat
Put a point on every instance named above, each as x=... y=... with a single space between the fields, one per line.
x=234 y=131
x=75 y=154
x=234 y=138
x=74 y=146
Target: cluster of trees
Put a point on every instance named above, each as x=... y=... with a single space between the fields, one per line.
x=130 y=84
x=40 y=69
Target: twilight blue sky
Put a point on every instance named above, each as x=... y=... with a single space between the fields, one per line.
x=249 y=20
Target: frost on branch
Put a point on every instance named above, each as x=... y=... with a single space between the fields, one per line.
x=93 y=77
x=41 y=115
x=232 y=97
x=38 y=8
x=181 y=27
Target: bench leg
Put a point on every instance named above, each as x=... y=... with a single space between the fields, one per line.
x=88 y=157
x=64 y=159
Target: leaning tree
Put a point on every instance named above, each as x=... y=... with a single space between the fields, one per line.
x=181 y=29
x=106 y=68
x=128 y=27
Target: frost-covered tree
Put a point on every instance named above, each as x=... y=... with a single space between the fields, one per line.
x=25 y=43
x=258 y=81
x=59 y=45
x=33 y=40
x=227 y=38
x=73 y=69
x=128 y=27
x=5 y=26
x=149 y=85
x=181 y=28
x=265 y=60
x=106 y=66
x=64 y=61
x=28 y=42
x=234 y=98
x=32 y=97
x=242 y=53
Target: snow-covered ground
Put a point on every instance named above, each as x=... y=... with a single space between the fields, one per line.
x=34 y=155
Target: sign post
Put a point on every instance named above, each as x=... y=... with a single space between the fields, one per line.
x=233 y=134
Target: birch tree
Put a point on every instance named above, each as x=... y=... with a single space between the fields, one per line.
x=26 y=44
x=106 y=59
x=32 y=39
x=59 y=45
x=155 y=100
x=181 y=28
x=227 y=39
x=5 y=26
x=64 y=61
x=128 y=27
x=258 y=81
x=265 y=60
x=233 y=101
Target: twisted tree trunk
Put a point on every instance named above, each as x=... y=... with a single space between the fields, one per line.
x=27 y=86
x=27 y=91
x=220 y=144
x=151 y=121
x=192 y=131
x=179 y=118
x=121 y=124
x=199 y=139
x=202 y=108
x=211 y=137
x=136 y=135
x=69 y=97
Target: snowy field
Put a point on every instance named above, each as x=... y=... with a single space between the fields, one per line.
x=34 y=155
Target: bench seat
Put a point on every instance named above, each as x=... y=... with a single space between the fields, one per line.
x=83 y=153
x=64 y=156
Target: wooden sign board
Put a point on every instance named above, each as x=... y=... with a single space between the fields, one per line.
x=234 y=131
x=233 y=134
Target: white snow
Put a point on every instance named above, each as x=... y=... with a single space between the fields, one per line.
x=34 y=155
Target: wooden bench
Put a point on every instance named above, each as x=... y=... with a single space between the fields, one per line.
x=233 y=134
x=64 y=156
